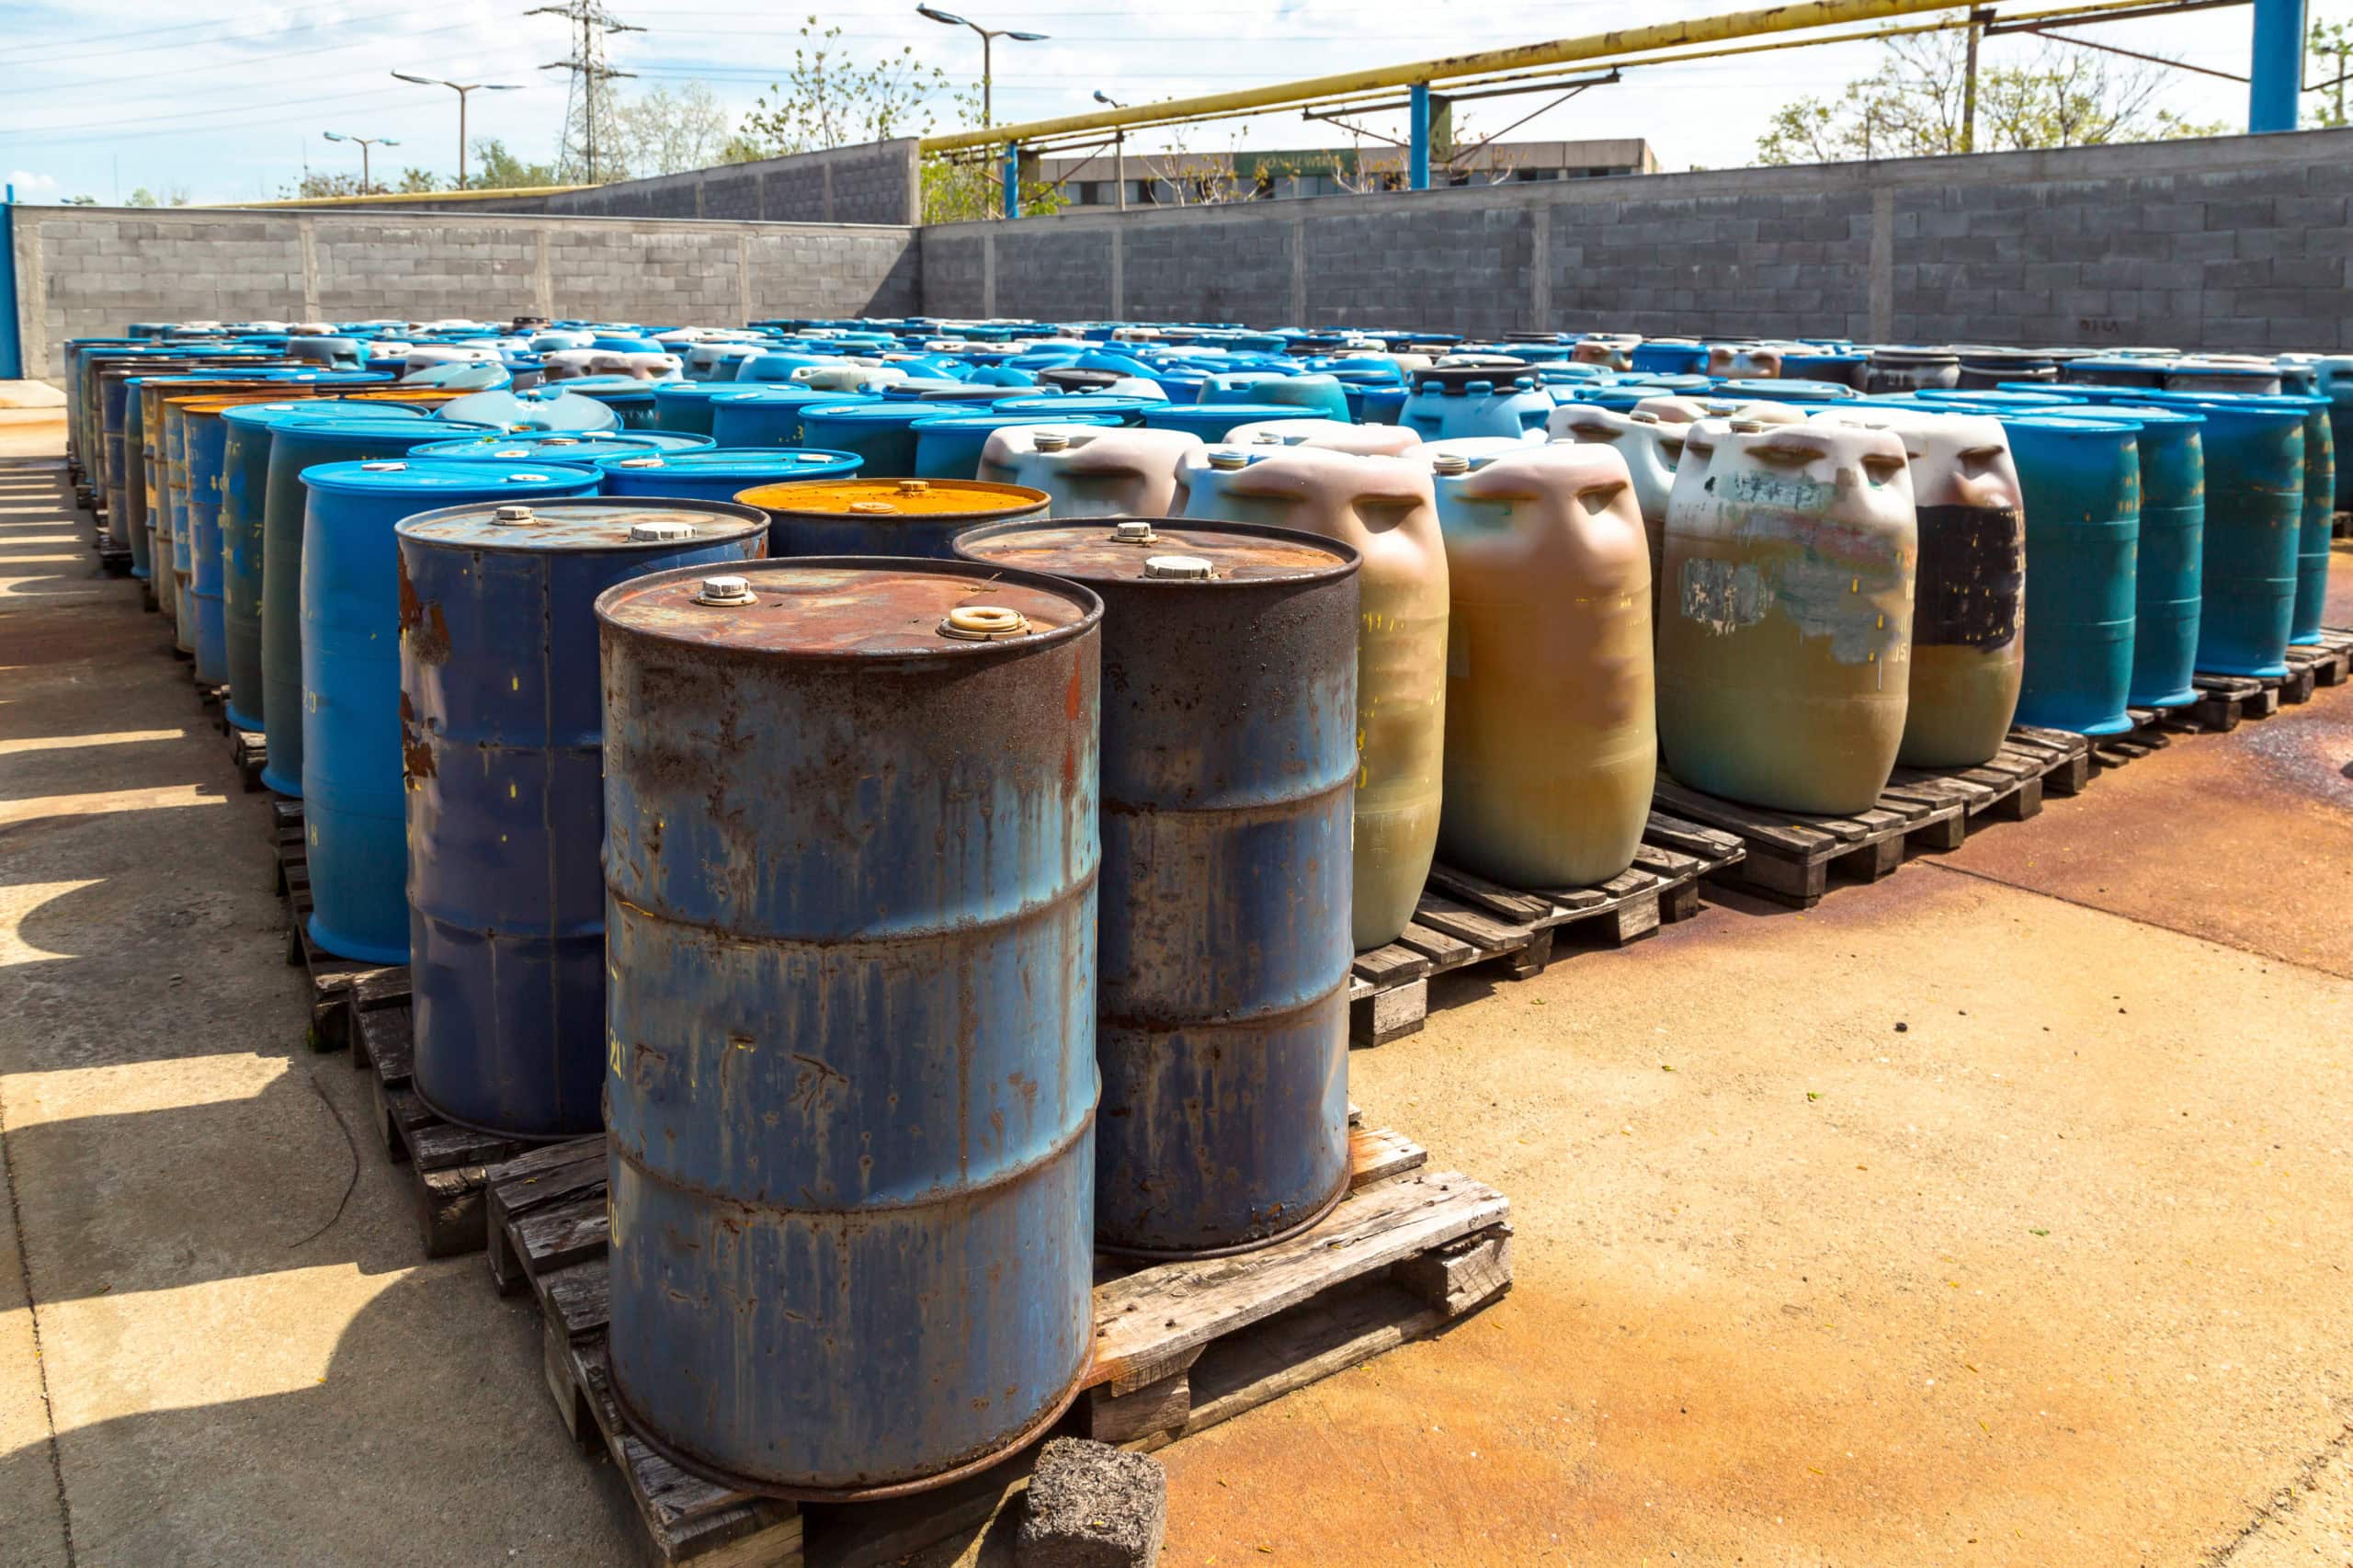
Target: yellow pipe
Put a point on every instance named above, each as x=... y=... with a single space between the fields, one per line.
x=1559 y=51
x=383 y=198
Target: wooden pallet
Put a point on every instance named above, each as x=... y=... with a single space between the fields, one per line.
x=448 y=1166
x=2152 y=730
x=1179 y=1346
x=1463 y=921
x=1793 y=857
x=249 y=754
x=2330 y=660
x=2224 y=700
x=332 y=977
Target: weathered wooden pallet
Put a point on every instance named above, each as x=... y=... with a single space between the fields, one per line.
x=2341 y=526
x=112 y=561
x=1464 y=920
x=1179 y=1346
x=249 y=754
x=2330 y=660
x=1793 y=857
x=2224 y=700
x=2152 y=730
x=449 y=1165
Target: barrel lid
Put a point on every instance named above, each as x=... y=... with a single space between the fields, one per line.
x=877 y=411
x=457 y=481
x=849 y=607
x=335 y=410
x=773 y=463
x=390 y=436
x=1112 y=550
x=998 y=420
x=549 y=448
x=978 y=499
x=585 y=522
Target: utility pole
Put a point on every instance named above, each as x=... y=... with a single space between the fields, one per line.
x=366 y=181
x=461 y=89
x=1977 y=20
x=576 y=149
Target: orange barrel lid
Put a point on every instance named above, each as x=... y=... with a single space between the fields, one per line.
x=973 y=500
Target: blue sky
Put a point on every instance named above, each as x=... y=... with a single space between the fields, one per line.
x=228 y=100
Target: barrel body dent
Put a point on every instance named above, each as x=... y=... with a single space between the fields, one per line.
x=1226 y=864
x=501 y=730
x=1551 y=734
x=851 y=868
x=1382 y=508
x=1785 y=639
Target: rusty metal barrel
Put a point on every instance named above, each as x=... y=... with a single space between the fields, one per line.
x=885 y=516
x=1229 y=770
x=501 y=720
x=850 y=862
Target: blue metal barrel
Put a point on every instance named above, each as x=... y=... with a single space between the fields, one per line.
x=2254 y=504
x=851 y=851
x=171 y=534
x=766 y=415
x=501 y=735
x=206 y=439
x=718 y=474
x=244 y=487
x=949 y=446
x=1227 y=792
x=2169 y=565
x=354 y=817
x=683 y=407
x=862 y=515
x=301 y=436
x=2081 y=479
x=576 y=449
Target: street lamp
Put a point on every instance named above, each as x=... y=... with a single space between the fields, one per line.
x=1118 y=150
x=988 y=36
x=461 y=89
x=366 y=184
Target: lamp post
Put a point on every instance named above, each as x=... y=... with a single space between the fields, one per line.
x=461 y=89
x=988 y=37
x=366 y=183
x=1118 y=150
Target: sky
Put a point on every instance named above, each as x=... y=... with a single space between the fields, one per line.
x=230 y=102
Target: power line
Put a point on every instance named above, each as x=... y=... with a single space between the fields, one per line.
x=583 y=107
x=215 y=67
x=218 y=36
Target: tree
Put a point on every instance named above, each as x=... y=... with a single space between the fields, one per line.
x=666 y=133
x=495 y=169
x=81 y=201
x=317 y=184
x=417 y=182
x=171 y=195
x=960 y=186
x=829 y=100
x=2332 y=42
x=1913 y=105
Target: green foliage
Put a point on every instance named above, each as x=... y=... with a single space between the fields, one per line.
x=317 y=183
x=81 y=201
x=1913 y=105
x=170 y=196
x=417 y=182
x=2331 y=45
x=828 y=100
x=960 y=186
x=492 y=168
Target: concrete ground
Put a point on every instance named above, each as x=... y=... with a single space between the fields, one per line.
x=1999 y=1213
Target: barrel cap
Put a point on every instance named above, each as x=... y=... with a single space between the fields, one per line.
x=856 y=607
x=584 y=523
x=977 y=499
x=1095 y=551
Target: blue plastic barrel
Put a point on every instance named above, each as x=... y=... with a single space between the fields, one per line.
x=949 y=446
x=2332 y=379
x=877 y=429
x=302 y=435
x=763 y=416
x=1785 y=391
x=685 y=407
x=2320 y=521
x=1304 y=394
x=718 y=474
x=2254 y=506
x=2170 y=565
x=1669 y=355
x=354 y=817
x=501 y=730
x=556 y=447
x=1213 y=421
x=206 y=440
x=1225 y=924
x=2081 y=480
x=1450 y=404
x=851 y=849
x=1130 y=410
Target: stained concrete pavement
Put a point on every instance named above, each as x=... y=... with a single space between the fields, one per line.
x=2054 y=1272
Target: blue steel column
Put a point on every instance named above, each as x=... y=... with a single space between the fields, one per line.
x=12 y=362
x=2276 y=91
x=1419 y=160
x=1013 y=179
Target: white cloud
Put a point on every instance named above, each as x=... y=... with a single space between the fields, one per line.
x=28 y=186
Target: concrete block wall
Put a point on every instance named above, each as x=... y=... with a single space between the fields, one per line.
x=878 y=182
x=88 y=271
x=2233 y=243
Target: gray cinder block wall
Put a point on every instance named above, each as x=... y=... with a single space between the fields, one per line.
x=879 y=182
x=88 y=271
x=2234 y=243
